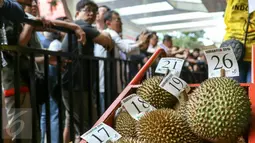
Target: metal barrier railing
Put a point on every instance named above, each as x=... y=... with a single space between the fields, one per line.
x=93 y=84
x=93 y=89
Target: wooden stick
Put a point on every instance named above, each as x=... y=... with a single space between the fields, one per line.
x=185 y=96
x=222 y=73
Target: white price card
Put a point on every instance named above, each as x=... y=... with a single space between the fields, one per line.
x=174 y=65
x=136 y=106
x=174 y=85
x=222 y=58
x=101 y=134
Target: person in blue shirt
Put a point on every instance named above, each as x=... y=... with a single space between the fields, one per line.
x=11 y=10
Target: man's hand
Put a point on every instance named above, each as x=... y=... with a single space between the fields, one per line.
x=145 y=59
x=53 y=62
x=143 y=39
x=111 y=43
x=46 y=23
x=81 y=35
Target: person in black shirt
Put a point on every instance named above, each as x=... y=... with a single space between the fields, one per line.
x=11 y=10
x=86 y=12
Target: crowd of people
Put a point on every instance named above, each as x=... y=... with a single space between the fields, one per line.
x=194 y=58
x=89 y=40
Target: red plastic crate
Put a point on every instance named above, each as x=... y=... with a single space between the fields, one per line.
x=108 y=116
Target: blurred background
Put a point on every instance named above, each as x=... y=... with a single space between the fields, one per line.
x=192 y=23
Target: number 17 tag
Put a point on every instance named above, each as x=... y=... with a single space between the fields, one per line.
x=174 y=85
x=136 y=106
x=101 y=134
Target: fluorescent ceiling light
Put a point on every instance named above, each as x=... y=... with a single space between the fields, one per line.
x=186 y=25
x=146 y=8
x=190 y=1
x=102 y=1
x=176 y=17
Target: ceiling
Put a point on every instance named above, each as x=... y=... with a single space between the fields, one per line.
x=166 y=16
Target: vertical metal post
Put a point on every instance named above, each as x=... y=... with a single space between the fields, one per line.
x=70 y=90
x=83 y=97
x=126 y=72
x=129 y=74
x=97 y=90
x=91 y=101
x=113 y=74
x=16 y=65
x=33 y=97
x=59 y=98
x=47 y=104
x=107 y=84
x=121 y=73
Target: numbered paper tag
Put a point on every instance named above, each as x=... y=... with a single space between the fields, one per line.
x=101 y=134
x=136 y=106
x=221 y=58
x=174 y=65
x=174 y=85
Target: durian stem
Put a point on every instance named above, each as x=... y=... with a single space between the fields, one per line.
x=222 y=73
x=182 y=99
x=185 y=95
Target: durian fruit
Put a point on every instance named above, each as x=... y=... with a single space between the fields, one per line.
x=125 y=125
x=128 y=140
x=164 y=126
x=151 y=92
x=219 y=109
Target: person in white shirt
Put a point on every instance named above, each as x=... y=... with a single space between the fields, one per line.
x=99 y=51
x=114 y=28
x=167 y=45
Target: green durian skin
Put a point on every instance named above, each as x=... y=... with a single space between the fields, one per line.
x=219 y=109
x=151 y=92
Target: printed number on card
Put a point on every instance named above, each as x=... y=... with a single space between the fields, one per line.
x=223 y=58
x=174 y=65
x=174 y=85
x=136 y=106
x=101 y=134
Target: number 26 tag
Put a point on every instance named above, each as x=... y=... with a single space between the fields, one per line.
x=222 y=58
x=174 y=85
x=136 y=106
x=101 y=134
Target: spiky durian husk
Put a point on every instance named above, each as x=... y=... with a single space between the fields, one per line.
x=128 y=140
x=218 y=110
x=156 y=96
x=164 y=126
x=125 y=125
